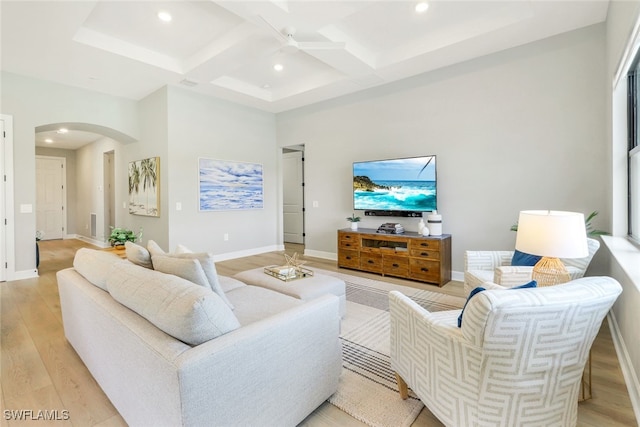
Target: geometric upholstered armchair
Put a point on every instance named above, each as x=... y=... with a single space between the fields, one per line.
x=517 y=359
x=495 y=266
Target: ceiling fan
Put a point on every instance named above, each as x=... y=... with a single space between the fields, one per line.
x=290 y=44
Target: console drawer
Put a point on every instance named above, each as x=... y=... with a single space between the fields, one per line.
x=432 y=245
x=425 y=253
x=371 y=262
x=349 y=241
x=425 y=270
x=395 y=266
x=347 y=258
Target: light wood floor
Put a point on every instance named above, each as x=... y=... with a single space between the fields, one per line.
x=41 y=371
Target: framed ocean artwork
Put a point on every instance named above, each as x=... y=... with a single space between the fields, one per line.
x=226 y=185
x=144 y=187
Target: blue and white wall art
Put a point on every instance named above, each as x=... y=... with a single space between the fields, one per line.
x=225 y=185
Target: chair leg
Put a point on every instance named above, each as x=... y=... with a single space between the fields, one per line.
x=402 y=387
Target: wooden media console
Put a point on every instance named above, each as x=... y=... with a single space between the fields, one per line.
x=408 y=255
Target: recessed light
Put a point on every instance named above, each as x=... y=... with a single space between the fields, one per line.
x=49 y=141
x=266 y=86
x=422 y=7
x=278 y=67
x=62 y=130
x=164 y=16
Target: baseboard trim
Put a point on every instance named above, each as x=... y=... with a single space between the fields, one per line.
x=94 y=242
x=248 y=252
x=628 y=373
x=321 y=254
x=24 y=274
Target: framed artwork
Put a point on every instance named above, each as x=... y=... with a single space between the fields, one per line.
x=225 y=185
x=144 y=187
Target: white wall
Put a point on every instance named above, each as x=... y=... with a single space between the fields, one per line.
x=622 y=17
x=90 y=182
x=32 y=103
x=519 y=129
x=201 y=126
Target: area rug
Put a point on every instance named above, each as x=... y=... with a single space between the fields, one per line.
x=368 y=390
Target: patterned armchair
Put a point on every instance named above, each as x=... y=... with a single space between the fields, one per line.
x=495 y=266
x=517 y=359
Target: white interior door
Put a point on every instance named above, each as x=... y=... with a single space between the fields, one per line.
x=50 y=197
x=293 y=196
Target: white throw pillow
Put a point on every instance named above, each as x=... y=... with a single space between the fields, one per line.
x=181 y=249
x=189 y=269
x=95 y=265
x=154 y=249
x=138 y=255
x=188 y=312
x=209 y=267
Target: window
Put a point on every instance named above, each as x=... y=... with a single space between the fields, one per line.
x=633 y=132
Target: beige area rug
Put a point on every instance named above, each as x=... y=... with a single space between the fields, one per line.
x=368 y=390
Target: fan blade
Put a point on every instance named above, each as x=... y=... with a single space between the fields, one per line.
x=321 y=45
x=276 y=31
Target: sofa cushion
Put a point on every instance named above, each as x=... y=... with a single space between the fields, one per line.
x=138 y=255
x=188 y=312
x=188 y=269
x=95 y=265
x=254 y=303
x=229 y=283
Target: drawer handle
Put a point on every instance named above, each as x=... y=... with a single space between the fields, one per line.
x=396 y=265
x=348 y=245
x=370 y=261
x=347 y=237
x=424 y=269
x=424 y=254
x=348 y=257
x=426 y=245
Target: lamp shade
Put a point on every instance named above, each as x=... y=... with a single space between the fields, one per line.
x=554 y=234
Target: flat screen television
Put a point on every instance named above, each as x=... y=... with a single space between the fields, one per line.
x=395 y=187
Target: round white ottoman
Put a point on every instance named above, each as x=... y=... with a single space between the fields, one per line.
x=304 y=289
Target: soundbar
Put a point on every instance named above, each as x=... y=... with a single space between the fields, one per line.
x=394 y=213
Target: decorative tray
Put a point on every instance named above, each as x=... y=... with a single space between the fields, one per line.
x=286 y=273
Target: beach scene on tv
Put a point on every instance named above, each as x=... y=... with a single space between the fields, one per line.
x=400 y=184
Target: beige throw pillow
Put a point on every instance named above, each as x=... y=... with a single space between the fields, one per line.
x=193 y=314
x=138 y=255
x=189 y=269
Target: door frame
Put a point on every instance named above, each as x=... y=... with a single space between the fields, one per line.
x=63 y=160
x=8 y=254
x=283 y=151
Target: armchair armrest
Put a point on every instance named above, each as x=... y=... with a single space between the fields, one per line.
x=486 y=260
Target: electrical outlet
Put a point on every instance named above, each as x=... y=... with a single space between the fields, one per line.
x=226 y=237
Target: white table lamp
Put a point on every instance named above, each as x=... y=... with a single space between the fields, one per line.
x=552 y=235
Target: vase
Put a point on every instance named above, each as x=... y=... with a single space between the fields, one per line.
x=354 y=226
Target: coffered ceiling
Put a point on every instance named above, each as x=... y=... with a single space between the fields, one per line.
x=228 y=49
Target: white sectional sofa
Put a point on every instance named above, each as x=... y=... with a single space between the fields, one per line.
x=273 y=367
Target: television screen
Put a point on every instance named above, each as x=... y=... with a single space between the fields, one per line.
x=407 y=185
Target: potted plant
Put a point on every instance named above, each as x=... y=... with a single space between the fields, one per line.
x=354 y=220
x=119 y=236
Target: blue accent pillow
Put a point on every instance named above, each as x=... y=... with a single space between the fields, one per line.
x=524 y=260
x=531 y=284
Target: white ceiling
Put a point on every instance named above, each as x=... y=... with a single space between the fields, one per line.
x=228 y=48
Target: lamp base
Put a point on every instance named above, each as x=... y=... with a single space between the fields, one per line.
x=549 y=272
